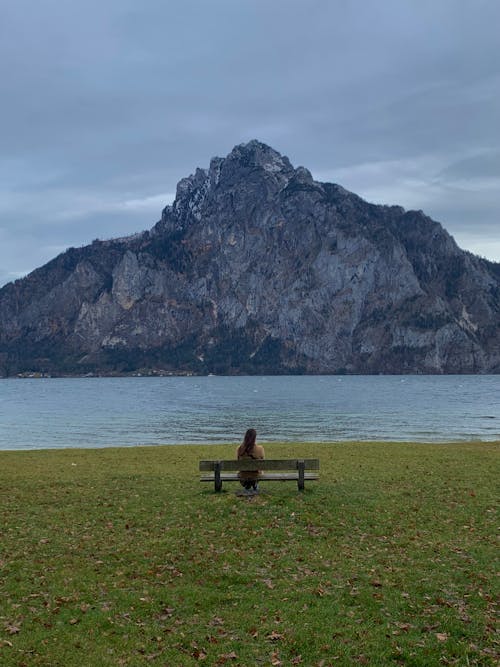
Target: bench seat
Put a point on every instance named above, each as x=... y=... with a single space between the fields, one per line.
x=263 y=477
x=271 y=470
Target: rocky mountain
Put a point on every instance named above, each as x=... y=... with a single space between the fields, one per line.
x=257 y=268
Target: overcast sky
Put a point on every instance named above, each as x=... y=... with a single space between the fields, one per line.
x=106 y=104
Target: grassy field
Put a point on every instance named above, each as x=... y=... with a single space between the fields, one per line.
x=122 y=557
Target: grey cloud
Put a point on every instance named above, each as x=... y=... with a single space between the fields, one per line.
x=484 y=165
x=115 y=102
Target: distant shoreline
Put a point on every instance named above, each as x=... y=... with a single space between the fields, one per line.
x=176 y=374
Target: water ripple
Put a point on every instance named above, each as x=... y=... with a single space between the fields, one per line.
x=99 y=412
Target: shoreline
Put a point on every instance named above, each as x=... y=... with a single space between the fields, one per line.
x=34 y=375
x=328 y=444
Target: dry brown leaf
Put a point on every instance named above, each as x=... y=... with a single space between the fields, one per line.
x=275 y=660
x=404 y=626
x=216 y=620
x=441 y=636
x=224 y=657
x=153 y=656
x=199 y=654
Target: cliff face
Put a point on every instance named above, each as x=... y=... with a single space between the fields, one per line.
x=256 y=268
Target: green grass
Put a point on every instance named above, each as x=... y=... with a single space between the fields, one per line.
x=122 y=557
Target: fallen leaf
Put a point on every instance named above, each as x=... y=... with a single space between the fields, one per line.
x=441 y=636
x=199 y=654
x=216 y=620
x=275 y=636
x=152 y=656
x=404 y=626
x=224 y=657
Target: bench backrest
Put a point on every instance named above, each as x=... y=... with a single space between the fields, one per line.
x=260 y=464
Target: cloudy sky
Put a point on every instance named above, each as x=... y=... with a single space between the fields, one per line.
x=106 y=104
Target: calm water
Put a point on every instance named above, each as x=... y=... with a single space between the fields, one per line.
x=98 y=412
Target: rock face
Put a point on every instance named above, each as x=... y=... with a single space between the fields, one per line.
x=257 y=268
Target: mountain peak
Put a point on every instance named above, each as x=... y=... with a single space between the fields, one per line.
x=193 y=190
x=257 y=154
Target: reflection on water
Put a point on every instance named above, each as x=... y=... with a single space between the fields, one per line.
x=97 y=412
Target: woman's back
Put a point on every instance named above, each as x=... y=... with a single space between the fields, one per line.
x=257 y=452
x=249 y=449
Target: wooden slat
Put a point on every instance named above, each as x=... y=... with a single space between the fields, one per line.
x=256 y=464
x=268 y=476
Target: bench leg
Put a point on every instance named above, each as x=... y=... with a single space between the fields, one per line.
x=217 y=479
x=300 y=481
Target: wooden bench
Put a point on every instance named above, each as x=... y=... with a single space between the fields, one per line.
x=290 y=470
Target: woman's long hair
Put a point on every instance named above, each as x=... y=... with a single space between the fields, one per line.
x=246 y=447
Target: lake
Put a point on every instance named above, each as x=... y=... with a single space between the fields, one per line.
x=100 y=412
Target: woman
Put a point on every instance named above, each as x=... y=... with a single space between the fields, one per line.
x=250 y=450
